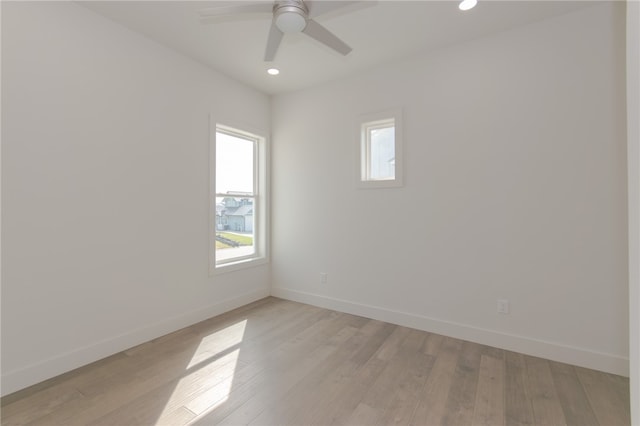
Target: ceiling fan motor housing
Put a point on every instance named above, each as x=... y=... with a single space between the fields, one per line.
x=290 y=16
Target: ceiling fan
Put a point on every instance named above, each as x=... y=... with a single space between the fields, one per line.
x=288 y=16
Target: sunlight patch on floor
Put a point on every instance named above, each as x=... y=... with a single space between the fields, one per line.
x=217 y=343
x=208 y=376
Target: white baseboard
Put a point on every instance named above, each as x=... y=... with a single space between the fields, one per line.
x=549 y=350
x=19 y=379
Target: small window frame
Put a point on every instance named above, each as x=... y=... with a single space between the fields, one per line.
x=369 y=122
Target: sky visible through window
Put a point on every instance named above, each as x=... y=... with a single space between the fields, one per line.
x=234 y=164
x=382 y=153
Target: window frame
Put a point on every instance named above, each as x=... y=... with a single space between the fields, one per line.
x=369 y=122
x=259 y=197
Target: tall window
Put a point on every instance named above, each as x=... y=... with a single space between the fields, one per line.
x=380 y=148
x=238 y=225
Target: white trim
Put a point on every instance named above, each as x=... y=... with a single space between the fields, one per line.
x=633 y=188
x=367 y=120
x=549 y=350
x=19 y=379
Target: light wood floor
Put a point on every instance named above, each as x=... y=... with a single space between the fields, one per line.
x=277 y=362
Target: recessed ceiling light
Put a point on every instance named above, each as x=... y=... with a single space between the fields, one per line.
x=273 y=71
x=467 y=4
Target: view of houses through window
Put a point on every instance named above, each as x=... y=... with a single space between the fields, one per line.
x=235 y=196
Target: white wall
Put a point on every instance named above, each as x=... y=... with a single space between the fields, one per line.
x=515 y=161
x=633 y=161
x=105 y=189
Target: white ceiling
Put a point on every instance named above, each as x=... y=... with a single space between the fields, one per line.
x=379 y=32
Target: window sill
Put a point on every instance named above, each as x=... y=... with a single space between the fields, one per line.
x=377 y=184
x=238 y=265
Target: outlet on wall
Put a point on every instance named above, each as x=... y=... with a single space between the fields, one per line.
x=323 y=277
x=503 y=306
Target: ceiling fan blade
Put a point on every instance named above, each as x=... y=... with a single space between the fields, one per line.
x=324 y=36
x=275 y=36
x=237 y=9
x=320 y=7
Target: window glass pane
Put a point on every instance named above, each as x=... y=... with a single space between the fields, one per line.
x=234 y=164
x=234 y=228
x=382 y=153
x=380 y=150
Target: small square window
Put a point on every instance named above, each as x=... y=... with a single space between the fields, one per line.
x=380 y=150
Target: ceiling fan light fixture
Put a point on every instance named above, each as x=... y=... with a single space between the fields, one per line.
x=290 y=22
x=289 y=16
x=467 y=4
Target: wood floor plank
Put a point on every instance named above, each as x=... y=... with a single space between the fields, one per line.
x=305 y=395
x=462 y=396
x=390 y=346
x=280 y=381
x=167 y=401
x=119 y=390
x=518 y=408
x=378 y=394
x=432 y=344
x=277 y=362
x=406 y=396
x=608 y=396
x=364 y=414
x=405 y=393
x=489 y=406
x=40 y=404
x=575 y=404
x=279 y=370
x=547 y=408
x=367 y=368
x=431 y=408
x=340 y=376
x=312 y=395
x=256 y=378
